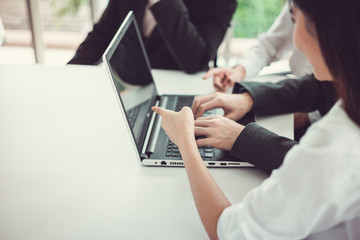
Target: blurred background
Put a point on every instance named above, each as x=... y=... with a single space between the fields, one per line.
x=59 y=26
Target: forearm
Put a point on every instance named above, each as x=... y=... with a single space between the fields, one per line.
x=172 y=15
x=209 y=199
x=288 y=96
x=197 y=36
x=273 y=45
x=254 y=60
x=91 y=49
x=261 y=147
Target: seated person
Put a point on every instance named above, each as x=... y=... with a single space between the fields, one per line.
x=272 y=46
x=177 y=34
x=314 y=194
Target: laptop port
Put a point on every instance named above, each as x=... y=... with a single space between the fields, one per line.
x=163 y=163
x=223 y=164
x=211 y=163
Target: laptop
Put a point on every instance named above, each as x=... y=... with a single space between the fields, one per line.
x=129 y=69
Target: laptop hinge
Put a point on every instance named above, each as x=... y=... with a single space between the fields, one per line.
x=143 y=156
x=153 y=130
x=148 y=132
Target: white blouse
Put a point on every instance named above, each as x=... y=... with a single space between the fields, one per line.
x=315 y=194
x=274 y=45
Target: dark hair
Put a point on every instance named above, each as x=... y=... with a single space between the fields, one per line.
x=337 y=26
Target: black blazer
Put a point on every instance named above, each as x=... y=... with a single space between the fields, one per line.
x=187 y=35
x=262 y=147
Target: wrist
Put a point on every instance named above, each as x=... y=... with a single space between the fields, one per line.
x=249 y=100
x=187 y=142
x=237 y=131
x=241 y=71
x=187 y=146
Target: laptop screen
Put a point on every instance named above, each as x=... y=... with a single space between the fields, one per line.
x=130 y=71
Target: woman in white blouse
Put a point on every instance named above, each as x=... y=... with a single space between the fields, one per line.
x=315 y=193
x=272 y=46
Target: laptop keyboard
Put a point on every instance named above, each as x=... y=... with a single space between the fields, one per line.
x=183 y=101
x=172 y=150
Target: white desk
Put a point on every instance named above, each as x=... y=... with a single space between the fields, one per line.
x=68 y=169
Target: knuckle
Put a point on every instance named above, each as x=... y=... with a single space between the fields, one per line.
x=201 y=108
x=212 y=121
x=186 y=109
x=221 y=99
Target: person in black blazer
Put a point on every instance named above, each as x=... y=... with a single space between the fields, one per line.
x=257 y=145
x=186 y=36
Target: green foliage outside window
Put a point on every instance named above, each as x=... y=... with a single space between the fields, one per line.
x=67 y=7
x=255 y=16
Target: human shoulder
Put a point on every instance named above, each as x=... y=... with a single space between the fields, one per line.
x=329 y=153
x=334 y=128
x=315 y=189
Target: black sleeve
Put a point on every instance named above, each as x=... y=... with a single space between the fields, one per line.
x=91 y=49
x=193 y=42
x=261 y=147
x=290 y=95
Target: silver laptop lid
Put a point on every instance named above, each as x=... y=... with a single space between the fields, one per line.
x=127 y=63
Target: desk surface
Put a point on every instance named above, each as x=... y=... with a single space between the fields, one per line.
x=69 y=171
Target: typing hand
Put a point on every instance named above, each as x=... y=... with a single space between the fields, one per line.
x=235 y=106
x=217 y=131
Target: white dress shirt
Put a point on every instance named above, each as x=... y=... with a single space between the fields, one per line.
x=274 y=45
x=313 y=195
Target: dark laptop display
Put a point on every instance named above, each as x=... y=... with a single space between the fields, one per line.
x=129 y=69
x=129 y=64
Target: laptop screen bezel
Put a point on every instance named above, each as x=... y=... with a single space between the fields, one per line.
x=130 y=19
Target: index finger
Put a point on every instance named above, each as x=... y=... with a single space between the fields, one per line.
x=218 y=83
x=159 y=110
x=212 y=72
